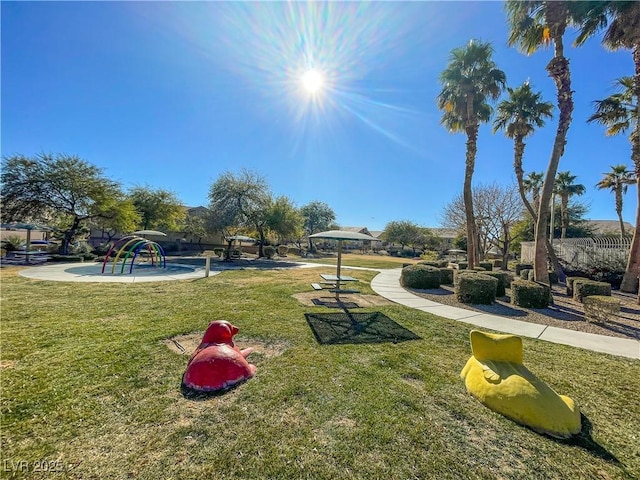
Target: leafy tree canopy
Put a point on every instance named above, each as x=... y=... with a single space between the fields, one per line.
x=158 y=208
x=62 y=190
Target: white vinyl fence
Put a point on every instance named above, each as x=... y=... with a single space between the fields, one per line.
x=586 y=252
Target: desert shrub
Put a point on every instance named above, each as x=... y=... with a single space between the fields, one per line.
x=488 y=266
x=446 y=276
x=66 y=258
x=585 y=287
x=283 y=250
x=476 y=288
x=524 y=273
x=502 y=282
x=218 y=251
x=269 y=251
x=529 y=294
x=521 y=266
x=420 y=276
x=407 y=253
x=600 y=308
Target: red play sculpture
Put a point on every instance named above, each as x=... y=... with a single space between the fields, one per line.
x=217 y=364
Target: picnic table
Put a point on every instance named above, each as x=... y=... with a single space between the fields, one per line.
x=333 y=284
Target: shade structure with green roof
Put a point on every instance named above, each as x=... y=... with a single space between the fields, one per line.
x=340 y=235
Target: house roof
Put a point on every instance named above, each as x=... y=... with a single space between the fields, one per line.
x=364 y=230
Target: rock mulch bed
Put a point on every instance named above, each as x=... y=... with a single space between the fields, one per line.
x=565 y=313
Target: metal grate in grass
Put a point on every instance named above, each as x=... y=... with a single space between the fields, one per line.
x=361 y=327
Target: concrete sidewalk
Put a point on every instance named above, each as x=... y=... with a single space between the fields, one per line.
x=387 y=284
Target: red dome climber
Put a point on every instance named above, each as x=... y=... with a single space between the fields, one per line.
x=217 y=364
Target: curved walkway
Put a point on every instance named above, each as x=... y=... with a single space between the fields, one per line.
x=387 y=284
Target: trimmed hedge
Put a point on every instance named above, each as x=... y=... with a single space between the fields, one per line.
x=459 y=273
x=463 y=265
x=488 y=266
x=600 y=308
x=553 y=277
x=569 y=282
x=420 y=276
x=477 y=288
x=446 y=276
x=585 y=287
x=528 y=294
x=430 y=263
x=502 y=282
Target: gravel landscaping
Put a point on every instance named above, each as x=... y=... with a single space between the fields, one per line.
x=565 y=313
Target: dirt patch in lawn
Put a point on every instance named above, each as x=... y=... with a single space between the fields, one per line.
x=187 y=344
x=564 y=313
x=315 y=299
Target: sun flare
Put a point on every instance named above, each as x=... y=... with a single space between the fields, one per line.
x=312 y=81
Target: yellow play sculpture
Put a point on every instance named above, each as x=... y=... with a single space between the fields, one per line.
x=496 y=376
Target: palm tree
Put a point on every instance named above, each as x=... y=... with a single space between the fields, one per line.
x=469 y=82
x=536 y=23
x=621 y=21
x=533 y=183
x=519 y=116
x=565 y=187
x=618 y=180
x=619 y=113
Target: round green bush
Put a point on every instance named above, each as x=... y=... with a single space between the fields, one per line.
x=420 y=276
x=269 y=251
x=477 y=288
x=529 y=294
x=446 y=276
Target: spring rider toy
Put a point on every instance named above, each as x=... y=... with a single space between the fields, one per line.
x=217 y=365
x=496 y=376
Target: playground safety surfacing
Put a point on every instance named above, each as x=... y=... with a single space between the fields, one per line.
x=82 y=272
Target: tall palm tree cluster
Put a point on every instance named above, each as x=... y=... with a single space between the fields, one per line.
x=472 y=81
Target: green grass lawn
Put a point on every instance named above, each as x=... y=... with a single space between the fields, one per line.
x=89 y=385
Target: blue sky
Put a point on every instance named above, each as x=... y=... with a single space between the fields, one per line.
x=173 y=94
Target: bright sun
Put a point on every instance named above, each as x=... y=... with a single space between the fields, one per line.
x=312 y=81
